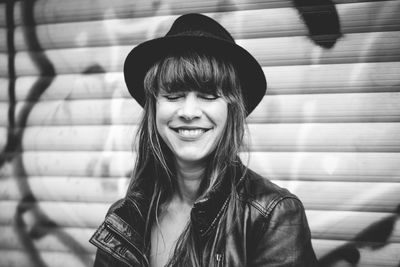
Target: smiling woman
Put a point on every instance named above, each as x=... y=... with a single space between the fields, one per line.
x=191 y=202
x=190 y=125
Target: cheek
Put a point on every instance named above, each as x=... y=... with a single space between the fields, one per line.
x=222 y=114
x=161 y=114
x=220 y=118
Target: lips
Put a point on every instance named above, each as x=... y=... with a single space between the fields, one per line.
x=190 y=132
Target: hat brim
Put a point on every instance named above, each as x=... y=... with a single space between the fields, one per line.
x=142 y=57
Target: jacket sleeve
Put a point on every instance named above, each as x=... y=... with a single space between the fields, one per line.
x=285 y=239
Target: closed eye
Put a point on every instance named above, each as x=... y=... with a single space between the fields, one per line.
x=208 y=96
x=173 y=97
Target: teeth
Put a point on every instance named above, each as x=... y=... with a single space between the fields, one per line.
x=191 y=133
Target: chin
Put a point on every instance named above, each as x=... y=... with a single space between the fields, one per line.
x=192 y=156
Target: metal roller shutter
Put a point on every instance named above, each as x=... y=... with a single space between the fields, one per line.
x=328 y=128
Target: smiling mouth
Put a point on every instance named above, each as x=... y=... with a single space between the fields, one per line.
x=190 y=132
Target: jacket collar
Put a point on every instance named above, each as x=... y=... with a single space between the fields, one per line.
x=207 y=211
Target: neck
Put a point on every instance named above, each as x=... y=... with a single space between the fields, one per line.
x=189 y=177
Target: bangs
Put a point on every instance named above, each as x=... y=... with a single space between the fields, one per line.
x=192 y=71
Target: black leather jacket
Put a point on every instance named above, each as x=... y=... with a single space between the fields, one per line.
x=269 y=228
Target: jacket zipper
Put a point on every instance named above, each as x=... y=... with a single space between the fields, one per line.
x=218 y=258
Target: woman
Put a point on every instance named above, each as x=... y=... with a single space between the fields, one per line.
x=191 y=202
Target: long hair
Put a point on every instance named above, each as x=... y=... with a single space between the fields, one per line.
x=153 y=175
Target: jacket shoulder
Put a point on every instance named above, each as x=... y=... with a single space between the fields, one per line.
x=116 y=205
x=264 y=195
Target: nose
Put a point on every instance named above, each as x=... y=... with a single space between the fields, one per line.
x=190 y=108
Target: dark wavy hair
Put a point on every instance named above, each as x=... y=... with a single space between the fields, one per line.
x=153 y=175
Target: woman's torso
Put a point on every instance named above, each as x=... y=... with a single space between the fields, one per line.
x=258 y=231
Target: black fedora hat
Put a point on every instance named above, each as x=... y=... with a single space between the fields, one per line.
x=196 y=32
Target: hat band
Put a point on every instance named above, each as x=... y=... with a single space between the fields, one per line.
x=189 y=33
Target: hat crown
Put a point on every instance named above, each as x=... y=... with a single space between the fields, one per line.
x=199 y=25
